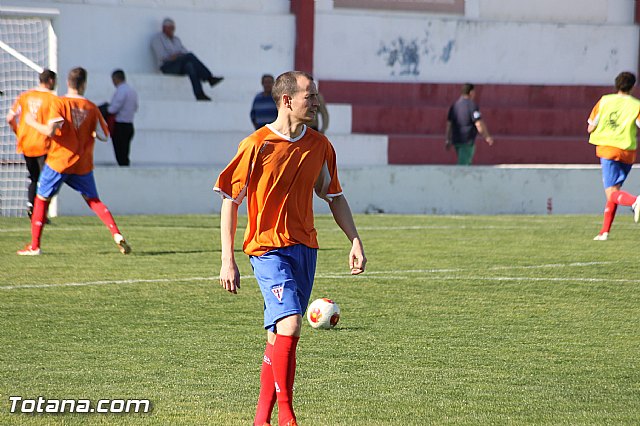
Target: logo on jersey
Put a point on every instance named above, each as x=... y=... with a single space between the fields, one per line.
x=78 y=116
x=277 y=292
x=34 y=106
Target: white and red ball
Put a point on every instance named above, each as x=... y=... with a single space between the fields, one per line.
x=323 y=313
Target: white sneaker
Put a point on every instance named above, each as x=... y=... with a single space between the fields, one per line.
x=122 y=244
x=602 y=237
x=636 y=210
x=28 y=251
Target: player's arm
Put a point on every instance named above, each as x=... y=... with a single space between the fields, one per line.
x=48 y=129
x=447 y=135
x=12 y=122
x=343 y=217
x=484 y=131
x=594 y=118
x=229 y=273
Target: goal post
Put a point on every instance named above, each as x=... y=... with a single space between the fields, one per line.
x=27 y=45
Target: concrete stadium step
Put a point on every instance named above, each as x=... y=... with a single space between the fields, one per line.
x=423 y=119
x=430 y=149
x=391 y=189
x=443 y=94
x=189 y=148
x=217 y=116
x=158 y=87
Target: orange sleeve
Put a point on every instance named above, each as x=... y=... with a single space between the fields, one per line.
x=232 y=182
x=327 y=185
x=335 y=188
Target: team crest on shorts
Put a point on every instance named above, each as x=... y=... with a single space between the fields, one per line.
x=277 y=292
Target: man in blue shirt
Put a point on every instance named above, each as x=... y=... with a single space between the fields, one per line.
x=264 y=110
x=464 y=122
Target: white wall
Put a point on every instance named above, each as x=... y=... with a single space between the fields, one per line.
x=497 y=41
x=432 y=48
x=572 y=189
x=241 y=38
x=559 y=11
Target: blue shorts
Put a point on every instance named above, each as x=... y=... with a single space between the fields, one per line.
x=51 y=181
x=614 y=172
x=285 y=276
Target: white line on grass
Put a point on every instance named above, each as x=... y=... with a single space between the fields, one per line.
x=376 y=275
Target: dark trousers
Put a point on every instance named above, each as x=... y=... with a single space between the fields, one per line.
x=121 y=137
x=190 y=65
x=34 y=167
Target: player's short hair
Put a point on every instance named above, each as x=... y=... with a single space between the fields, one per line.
x=47 y=75
x=287 y=83
x=77 y=77
x=467 y=88
x=118 y=75
x=168 y=22
x=625 y=81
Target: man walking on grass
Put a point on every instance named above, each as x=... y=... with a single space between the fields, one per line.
x=278 y=168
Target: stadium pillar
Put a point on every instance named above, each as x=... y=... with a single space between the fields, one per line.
x=304 y=11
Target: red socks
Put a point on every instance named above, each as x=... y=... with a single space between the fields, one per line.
x=104 y=214
x=38 y=218
x=622 y=198
x=267 y=398
x=283 y=362
x=609 y=215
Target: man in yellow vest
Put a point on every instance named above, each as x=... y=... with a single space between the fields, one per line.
x=612 y=128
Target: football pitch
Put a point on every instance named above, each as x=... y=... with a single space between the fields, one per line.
x=465 y=320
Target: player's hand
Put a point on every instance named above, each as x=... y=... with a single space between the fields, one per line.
x=357 y=259
x=230 y=276
x=447 y=145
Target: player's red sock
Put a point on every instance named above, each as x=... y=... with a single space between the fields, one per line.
x=38 y=218
x=623 y=198
x=104 y=214
x=609 y=215
x=267 y=398
x=282 y=360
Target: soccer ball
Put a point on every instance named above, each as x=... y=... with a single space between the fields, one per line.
x=323 y=313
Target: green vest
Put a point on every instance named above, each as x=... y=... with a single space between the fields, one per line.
x=617 y=122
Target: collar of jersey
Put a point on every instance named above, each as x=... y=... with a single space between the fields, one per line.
x=304 y=130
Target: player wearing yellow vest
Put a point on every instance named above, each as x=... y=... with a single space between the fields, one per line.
x=612 y=127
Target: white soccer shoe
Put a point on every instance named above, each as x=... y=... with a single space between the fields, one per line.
x=636 y=210
x=122 y=244
x=28 y=251
x=602 y=237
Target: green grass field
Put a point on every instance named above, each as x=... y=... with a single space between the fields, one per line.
x=465 y=320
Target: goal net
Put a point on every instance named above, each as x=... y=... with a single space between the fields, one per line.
x=27 y=45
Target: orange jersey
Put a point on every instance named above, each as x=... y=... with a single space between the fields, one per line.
x=278 y=175
x=36 y=102
x=71 y=148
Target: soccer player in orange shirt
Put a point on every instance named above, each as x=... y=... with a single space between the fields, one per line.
x=32 y=144
x=277 y=168
x=73 y=124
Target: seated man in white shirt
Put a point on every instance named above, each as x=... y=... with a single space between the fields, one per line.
x=174 y=58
